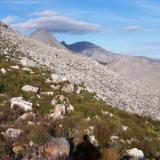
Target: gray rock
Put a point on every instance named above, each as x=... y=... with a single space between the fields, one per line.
x=56 y=148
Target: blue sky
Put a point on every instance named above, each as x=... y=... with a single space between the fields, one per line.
x=122 y=26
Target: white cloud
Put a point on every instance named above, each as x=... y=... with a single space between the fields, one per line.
x=133 y=28
x=45 y=13
x=9 y=19
x=56 y=23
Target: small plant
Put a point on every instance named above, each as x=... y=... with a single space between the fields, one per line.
x=39 y=135
x=110 y=154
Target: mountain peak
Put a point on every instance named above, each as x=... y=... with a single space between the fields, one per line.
x=45 y=36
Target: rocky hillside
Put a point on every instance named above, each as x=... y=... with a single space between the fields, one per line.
x=46 y=37
x=93 y=51
x=140 y=71
x=79 y=69
x=44 y=116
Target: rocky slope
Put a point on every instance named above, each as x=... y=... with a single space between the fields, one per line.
x=93 y=51
x=43 y=116
x=78 y=69
x=140 y=71
x=45 y=37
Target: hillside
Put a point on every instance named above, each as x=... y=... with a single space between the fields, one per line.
x=139 y=71
x=54 y=119
x=79 y=69
x=93 y=51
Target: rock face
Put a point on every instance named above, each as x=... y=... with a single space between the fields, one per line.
x=79 y=69
x=93 y=51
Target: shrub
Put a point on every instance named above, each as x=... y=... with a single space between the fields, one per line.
x=102 y=132
x=39 y=135
x=110 y=154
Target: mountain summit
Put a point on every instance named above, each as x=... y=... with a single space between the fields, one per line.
x=44 y=36
x=93 y=51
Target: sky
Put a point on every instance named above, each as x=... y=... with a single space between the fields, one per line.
x=121 y=26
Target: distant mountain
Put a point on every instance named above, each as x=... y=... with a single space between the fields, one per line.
x=93 y=51
x=138 y=70
x=46 y=37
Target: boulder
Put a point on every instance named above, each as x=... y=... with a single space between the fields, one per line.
x=58 y=112
x=56 y=87
x=28 y=88
x=56 y=148
x=69 y=88
x=3 y=70
x=60 y=107
x=135 y=153
x=20 y=103
x=27 y=62
x=58 y=78
x=13 y=134
x=15 y=67
x=70 y=108
x=79 y=90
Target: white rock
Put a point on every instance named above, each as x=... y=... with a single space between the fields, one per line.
x=59 y=111
x=30 y=123
x=54 y=102
x=124 y=128
x=58 y=78
x=47 y=93
x=22 y=104
x=70 y=108
x=107 y=113
x=27 y=62
x=28 y=88
x=93 y=140
x=48 y=81
x=136 y=153
x=15 y=67
x=89 y=130
x=14 y=134
x=3 y=70
x=31 y=143
x=114 y=138
x=28 y=70
x=56 y=87
x=56 y=115
x=79 y=90
x=69 y=88
x=60 y=107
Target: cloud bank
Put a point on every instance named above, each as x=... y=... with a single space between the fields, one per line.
x=133 y=28
x=54 y=22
